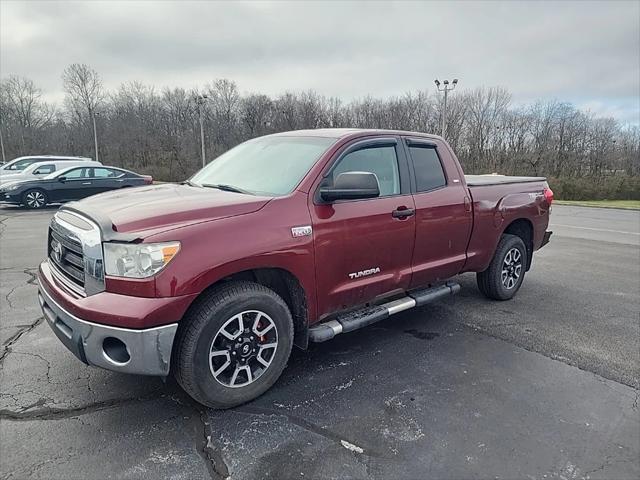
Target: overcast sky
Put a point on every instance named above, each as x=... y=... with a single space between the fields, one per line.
x=587 y=53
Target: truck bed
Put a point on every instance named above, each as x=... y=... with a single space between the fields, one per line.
x=485 y=180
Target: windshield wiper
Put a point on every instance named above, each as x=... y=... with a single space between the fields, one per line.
x=226 y=188
x=189 y=182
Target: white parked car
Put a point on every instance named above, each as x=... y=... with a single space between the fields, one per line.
x=20 y=163
x=41 y=169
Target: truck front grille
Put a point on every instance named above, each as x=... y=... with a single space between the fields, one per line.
x=66 y=254
x=75 y=253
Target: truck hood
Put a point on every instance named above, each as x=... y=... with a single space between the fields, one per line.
x=159 y=208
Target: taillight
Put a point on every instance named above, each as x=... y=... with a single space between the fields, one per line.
x=548 y=195
x=148 y=179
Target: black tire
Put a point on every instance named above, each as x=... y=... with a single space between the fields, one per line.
x=490 y=282
x=199 y=329
x=35 y=198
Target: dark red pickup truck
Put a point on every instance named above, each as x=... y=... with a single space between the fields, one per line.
x=284 y=239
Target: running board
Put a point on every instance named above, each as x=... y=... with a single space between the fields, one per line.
x=348 y=322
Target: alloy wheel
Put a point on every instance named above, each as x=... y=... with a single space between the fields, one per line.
x=35 y=199
x=511 y=268
x=243 y=349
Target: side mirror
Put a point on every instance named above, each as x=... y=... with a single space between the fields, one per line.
x=62 y=178
x=352 y=186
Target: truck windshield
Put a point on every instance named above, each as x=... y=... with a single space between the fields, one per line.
x=264 y=166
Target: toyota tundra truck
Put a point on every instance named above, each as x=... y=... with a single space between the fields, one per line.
x=283 y=240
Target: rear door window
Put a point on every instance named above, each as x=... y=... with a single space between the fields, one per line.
x=105 y=173
x=427 y=167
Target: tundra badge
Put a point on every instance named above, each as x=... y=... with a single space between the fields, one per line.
x=364 y=273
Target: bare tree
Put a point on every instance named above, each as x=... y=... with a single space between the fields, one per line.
x=256 y=113
x=23 y=108
x=158 y=132
x=484 y=108
x=83 y=87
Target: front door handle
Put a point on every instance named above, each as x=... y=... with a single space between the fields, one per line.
x=403 y=212
x=86 y=183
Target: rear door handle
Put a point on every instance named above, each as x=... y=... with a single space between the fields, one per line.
x=467 y=204
x=86 y=183
x=403 y=212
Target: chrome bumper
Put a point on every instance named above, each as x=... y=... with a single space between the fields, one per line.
x=143 y=352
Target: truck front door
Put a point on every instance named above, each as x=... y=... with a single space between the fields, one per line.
x=363 y=248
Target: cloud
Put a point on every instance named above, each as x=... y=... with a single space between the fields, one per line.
x=571 y=51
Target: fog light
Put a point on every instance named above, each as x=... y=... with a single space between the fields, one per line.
x=115 y=350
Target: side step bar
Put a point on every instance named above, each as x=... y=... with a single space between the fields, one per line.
x=347 y=322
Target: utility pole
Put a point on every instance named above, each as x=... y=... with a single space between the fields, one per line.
x=2 y=146
x=95 y=134
x=446 y=89
x=200 y=99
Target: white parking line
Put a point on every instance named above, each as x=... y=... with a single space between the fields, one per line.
x=595 y=229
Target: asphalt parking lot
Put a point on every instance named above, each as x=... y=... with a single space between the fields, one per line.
x=543 y=386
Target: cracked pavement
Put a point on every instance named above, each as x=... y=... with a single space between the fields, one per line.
x=544 y=386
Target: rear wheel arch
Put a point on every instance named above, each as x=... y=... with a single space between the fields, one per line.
x=503 y=277
x=523 y=228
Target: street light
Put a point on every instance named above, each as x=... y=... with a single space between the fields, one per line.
x=446 y=89
x=2 y=146
x=95 y=133
x=200 y=99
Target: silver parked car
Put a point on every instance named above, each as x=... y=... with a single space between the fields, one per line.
x=41 y=169
x=20 y=163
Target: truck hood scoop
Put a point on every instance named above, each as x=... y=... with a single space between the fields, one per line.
x=161 y=207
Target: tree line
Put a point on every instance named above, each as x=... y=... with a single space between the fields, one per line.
x=157 y=132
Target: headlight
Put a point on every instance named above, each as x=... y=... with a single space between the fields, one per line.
x=138 y=260
x=9 y=187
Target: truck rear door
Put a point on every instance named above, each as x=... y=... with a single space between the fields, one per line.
x=443 y=211
x=364 y=247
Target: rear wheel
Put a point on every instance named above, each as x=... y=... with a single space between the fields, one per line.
x=34 y=198
x=233 y=344
x=505 y=274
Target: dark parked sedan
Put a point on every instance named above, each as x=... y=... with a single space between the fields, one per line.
x=71 y=183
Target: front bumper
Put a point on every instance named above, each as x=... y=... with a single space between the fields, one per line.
x=143 y=352
x=7 y=197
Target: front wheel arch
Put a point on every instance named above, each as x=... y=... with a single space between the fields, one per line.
x=191 y=351
x=283 y=283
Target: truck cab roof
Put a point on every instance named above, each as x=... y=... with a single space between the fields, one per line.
x=351 y=133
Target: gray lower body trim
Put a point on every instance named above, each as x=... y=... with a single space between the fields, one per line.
x=143 y=352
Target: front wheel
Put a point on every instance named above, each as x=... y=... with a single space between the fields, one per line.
x=234 y=344
x=505 y=274
x=34 y=198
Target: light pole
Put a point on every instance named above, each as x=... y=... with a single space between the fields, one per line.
x=200 y=99
x=95 y=134
x=446 y=89
x=2 y=145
